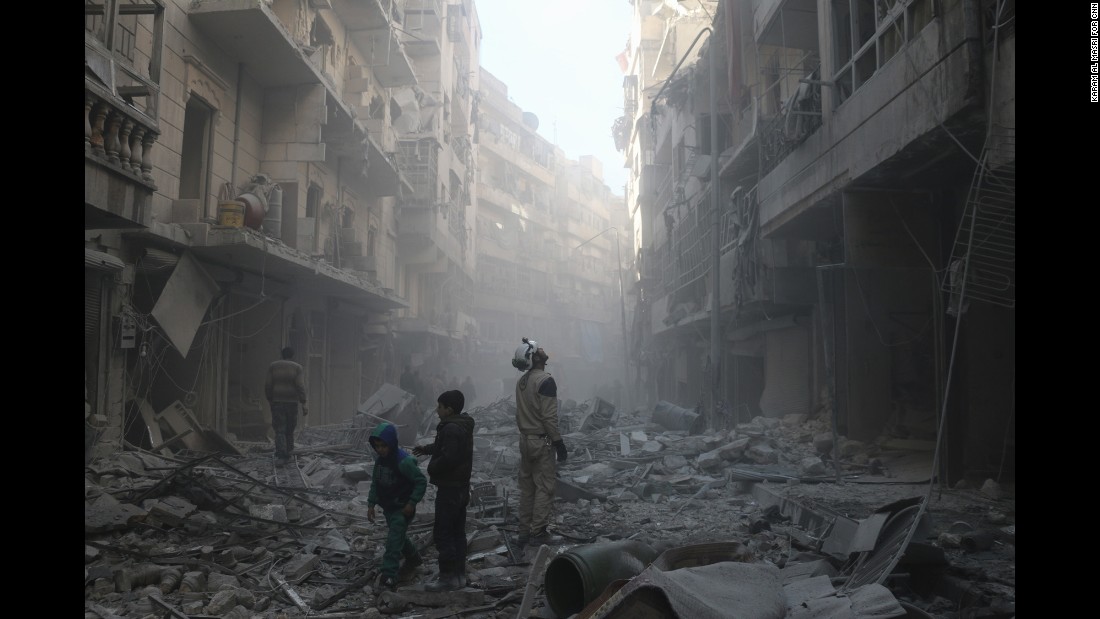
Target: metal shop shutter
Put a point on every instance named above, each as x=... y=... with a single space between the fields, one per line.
x=786 y=372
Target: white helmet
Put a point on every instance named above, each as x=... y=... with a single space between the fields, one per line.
x=521 y=360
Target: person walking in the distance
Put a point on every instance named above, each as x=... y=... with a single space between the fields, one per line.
x=537 y=420
x=397 y=485
x=285 y=388
x=449 y=470
x=469 y=391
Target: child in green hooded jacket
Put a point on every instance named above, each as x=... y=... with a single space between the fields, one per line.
x=397 y=485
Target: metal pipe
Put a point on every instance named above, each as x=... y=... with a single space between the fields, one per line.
x=716 y=220
x=236 y=133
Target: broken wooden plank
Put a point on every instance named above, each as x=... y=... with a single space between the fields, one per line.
x=532 y=582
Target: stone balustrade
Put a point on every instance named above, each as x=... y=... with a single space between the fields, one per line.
x=120 y=136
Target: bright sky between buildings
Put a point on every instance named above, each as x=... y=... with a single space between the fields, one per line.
x=558 y=61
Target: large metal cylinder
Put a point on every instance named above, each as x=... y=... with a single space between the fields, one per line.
x=577 y=576
x=674 y=417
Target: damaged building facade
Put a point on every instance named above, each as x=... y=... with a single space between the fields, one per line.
x=864 y=215
x=546 y=252
x=306 y=174
x=257 y=176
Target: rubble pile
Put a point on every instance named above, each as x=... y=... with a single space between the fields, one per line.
x=198 y=534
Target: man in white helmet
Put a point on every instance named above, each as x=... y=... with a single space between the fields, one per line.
x=537 y=419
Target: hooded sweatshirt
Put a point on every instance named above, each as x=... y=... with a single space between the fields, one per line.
x=397 y=479
x=453 y=451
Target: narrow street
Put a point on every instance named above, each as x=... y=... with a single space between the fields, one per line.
x=605 y=309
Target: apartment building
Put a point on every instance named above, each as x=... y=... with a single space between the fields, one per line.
x=866 y=200
x=547 y=252
x=437 y=153
x=246 y=190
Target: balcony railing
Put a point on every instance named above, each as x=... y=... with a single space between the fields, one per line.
x=799 y=117
x=117 y=135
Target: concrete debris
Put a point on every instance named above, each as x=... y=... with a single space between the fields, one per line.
x=178 y=533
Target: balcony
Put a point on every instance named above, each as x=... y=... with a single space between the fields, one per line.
x=249 y=31
x=118 y=165
x=366 y=14
x=508 y=152
x=424 y=238
x=385 y=55
x=423 y=28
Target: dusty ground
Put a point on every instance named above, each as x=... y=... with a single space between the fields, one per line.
x=269 y=541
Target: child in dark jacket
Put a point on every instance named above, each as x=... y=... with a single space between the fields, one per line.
x=449 y=470
x=397 y=485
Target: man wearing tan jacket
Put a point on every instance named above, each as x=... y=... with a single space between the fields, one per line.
x=537 y=420
x=285 y=388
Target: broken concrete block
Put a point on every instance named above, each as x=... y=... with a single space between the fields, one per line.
x=570 y=493
x=950 y=540
x=336 y=541
x=483 y=541
x=638 y=436
x=673 y=462
x=793 y=420
x=217 y=581
x=222 y=602
x=812 y=466
x=991 y=489
x=322 y=594
x=131 y=463
x=734 y=450
x=363 y=488
x=709 y=461
x=626 y=497
x=300 y=565
x=194 y=607
x=762 y=453
x=172 y=510
x=598 y=470
x=274 y=512
x=713 y=441
x=750 y=429
x=90 y=553
x=105 y=513
x=103 y=586
x=768 y=423
x=652 y=446
x=358 y=471
x=823 y=443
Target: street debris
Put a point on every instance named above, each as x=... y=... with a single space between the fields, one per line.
x=654 y=512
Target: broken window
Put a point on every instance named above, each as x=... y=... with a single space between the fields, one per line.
x=123 y=40
x=868 y=33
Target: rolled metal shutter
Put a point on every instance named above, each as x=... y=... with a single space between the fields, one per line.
x=93 y=295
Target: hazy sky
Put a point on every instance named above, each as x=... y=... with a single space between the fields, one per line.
x=558 y=59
